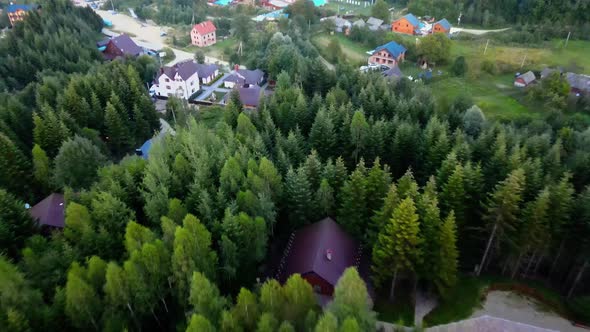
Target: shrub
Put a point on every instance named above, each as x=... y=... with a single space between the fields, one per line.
x=489 y=66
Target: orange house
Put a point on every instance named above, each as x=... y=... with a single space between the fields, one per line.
x=442 y=26
x=408 y=24
x=17 y=13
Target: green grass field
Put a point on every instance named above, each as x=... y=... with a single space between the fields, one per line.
x=353 y=52
x=215 y=50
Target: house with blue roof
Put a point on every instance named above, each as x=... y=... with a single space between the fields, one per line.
x=408 y=24
x=17 y=13
x=389 y=54
x=442 y=26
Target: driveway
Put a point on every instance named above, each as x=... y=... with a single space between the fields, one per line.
x=209 y=89
x=147 y=34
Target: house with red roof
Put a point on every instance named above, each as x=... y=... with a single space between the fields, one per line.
x=320 y=253
x=203 y=34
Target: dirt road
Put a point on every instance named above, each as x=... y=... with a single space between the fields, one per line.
x=149 y=34
x=476 y=31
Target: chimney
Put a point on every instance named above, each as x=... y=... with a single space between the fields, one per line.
x=329 y=254
x=236 y=67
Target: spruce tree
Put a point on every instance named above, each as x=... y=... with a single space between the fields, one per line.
x=299 y=197
x=353 y=207
x=398 y=246
x=324 y=198
x=117 y=132
x=430 y=227
x=16 y=169
x=322 y=136
x=448 y=258
x=453 y=195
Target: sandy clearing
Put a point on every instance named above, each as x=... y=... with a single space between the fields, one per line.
x=150 y=34
x=514 y=307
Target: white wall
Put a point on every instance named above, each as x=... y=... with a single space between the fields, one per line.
x=170 y=88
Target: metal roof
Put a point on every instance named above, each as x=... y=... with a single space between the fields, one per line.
x=50 y=211
x=393 y=48
x=310 y=245
x=444 y=23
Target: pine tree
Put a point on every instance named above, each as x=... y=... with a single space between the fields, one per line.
x=16 y=169
x=453 y=195
x=117 y=132
x=398 y=245
x=448 y=259
x=382 y=217
x=353 y=208
x=430 y=227
x=324 y=198
x=322 y=136
x=298 y=193
x=502 y=209
x=378 y=181
x=41 y=167
x=359 y=131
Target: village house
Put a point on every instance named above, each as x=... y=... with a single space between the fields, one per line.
x=525 y=79
x=320 y=253
x=374 y=24
x=49 y=213
x=17 y=13
x=250 y=97
x=442 y=26
x=244 y=78
x=579 y=84
x=207 y=72
x=119 y=46
x=340 y=24
x=408 y=24
x=389 y=54
x=180 y=80
x=203 y=34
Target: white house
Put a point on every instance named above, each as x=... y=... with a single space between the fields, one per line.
x=180 y=80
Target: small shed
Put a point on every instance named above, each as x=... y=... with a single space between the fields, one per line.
x=525 y=79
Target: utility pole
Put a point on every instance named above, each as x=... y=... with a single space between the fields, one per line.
x=568 y=38
x=486 y=49
x=523 y=60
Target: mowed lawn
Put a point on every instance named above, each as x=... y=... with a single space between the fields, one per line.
x=574 y=57
x=216 y=50
x=347 y=8
x=496 y=96
x=353 y=52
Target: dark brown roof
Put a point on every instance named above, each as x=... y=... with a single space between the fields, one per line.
x=124 y=43
x=307 y=251
x=248 y=96
x=184 y=69
x=50 y=211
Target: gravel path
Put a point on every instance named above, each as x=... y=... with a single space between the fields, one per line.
x=517 y=308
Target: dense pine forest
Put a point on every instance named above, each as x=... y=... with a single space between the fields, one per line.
x=184 y=240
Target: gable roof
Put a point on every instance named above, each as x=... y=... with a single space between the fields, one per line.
x=308 y=251
x=393 y=72
x=579 y=82
x=13 y=8
x=412 y=19
x=124 y=43
x=184 y=69
x=204 y=28
x=359 y=23
x=393 y=48
x=444 y=23
x=248 y=96
x=250 y=77
x=374 y=21
x=489 y=324
x=206 y=70
x=527 y=77
x=50 y=211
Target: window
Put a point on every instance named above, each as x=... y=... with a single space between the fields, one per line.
x=193 y=82
x=167 y=87
x=167 y=80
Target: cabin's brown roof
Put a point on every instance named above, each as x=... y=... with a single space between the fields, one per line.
x=307 y=251
x=50 y=211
